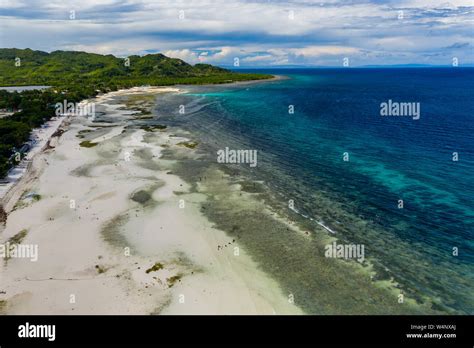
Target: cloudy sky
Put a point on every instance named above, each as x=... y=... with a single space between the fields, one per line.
x=264 y=33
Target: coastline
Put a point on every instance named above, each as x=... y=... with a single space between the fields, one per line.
x=178 y=262
x=20 y=175
x=142 y=197
x=248 y=82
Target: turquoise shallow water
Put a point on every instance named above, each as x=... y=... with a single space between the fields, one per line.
x=337 y=111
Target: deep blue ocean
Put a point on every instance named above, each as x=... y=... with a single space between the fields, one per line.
x=428 y=244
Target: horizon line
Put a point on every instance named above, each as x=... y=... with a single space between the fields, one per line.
x=290 y=66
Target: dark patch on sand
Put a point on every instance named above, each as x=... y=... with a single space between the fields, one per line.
x=111 y=231
x=152 y=128
x=87 y=144
x=84 y=170
x=141 y=197
x=156 y=267
x=3 y=215
x=188 y=144
x=3 y=306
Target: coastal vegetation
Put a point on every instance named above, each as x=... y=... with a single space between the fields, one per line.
x=75 y=76
x=30 y=109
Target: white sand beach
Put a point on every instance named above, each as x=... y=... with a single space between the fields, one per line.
x=118 y=233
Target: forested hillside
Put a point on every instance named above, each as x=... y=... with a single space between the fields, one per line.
x=66 y=68
x=79 y=75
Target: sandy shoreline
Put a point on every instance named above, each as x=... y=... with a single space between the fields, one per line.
x=133 y=217
x=45 y=137
x=118 y=233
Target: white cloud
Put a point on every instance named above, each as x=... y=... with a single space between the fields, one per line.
x=257 y=32
x=186 y=55
x=318 y=51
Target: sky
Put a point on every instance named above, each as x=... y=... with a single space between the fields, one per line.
x=250 y=33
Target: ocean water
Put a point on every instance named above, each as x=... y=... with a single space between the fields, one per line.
x=347 y=167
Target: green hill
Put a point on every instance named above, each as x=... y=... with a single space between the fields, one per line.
x=67 y=68
x=77 y=76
